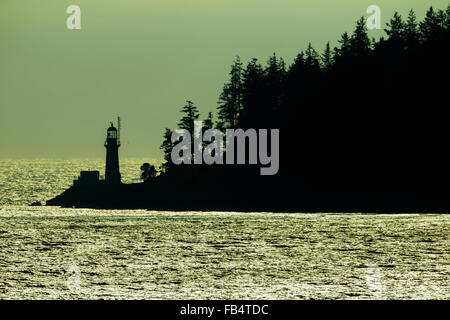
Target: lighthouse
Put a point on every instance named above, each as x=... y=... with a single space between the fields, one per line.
x=112 y=144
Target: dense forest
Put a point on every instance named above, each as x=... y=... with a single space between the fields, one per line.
x=366 y=115
x=363 y=127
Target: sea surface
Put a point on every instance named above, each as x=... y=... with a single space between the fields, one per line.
x=55 y=253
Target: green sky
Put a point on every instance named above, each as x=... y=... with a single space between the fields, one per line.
x=142 y=60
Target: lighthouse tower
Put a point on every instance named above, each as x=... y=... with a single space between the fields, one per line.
x=112 y=144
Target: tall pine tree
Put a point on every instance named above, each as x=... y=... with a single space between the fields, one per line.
x=253 y=90
x=167 y=147
x=190 y=114
x=411 y=32
x=230 y=100
x=327 y=58
x=359 y=41
x=395 y=29
x=275 y=80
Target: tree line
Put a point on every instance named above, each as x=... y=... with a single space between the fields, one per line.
x=365 y=114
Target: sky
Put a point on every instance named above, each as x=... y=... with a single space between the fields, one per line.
x=59 y=88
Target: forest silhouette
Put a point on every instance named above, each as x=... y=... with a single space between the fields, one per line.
x=363 y=127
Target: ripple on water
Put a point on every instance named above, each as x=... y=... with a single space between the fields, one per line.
x=52 y=253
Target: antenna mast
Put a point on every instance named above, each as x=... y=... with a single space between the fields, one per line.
x=118 y=131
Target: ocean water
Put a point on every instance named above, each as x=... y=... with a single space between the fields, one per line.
x=24 y=181
x=55 y=253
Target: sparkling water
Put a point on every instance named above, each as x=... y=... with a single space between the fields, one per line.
x=55 y=253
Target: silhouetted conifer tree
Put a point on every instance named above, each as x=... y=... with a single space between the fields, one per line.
x=191 y=114
x=342 y=53
x=312 y=59
x=447 y=19
x=275 y=73
x=429 y=26
x=294 y=83
x=298 y=67
x=396 y=29
x=411 y=33
x=167 y=147
x=253 y=91
x=208 y=122
x=359 y=41
x=230 y=100
x=327 y=58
